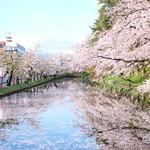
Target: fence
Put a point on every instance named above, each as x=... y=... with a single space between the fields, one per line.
x=3 y=81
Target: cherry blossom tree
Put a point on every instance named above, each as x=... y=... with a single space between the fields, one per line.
x=64 y=62
x=33 y=64
x=10 y=61
x=30 y=60
x=122 y=50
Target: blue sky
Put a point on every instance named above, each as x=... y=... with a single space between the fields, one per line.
x=56 y=24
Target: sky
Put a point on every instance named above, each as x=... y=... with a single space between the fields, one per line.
x=56 y=24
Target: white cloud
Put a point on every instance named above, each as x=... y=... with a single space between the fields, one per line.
x=28 y=40
x=41 y=15
x=49 y=43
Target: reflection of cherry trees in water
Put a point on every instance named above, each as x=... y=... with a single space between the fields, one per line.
x=25 y=107
x=109 y=116
x=115 y=122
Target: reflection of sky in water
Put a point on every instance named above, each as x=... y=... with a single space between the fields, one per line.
x=51 y=129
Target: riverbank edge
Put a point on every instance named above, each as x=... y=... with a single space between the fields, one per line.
x=126 y=87
x=115 y=80
x=110 y=82
x=117 y=84
x=21 y=87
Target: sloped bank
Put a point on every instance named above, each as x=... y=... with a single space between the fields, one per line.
x=20 y=87
x=120 y=86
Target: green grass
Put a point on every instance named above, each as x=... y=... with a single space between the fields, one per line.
x=133 y=79
x=120 y=80
x=18 y=87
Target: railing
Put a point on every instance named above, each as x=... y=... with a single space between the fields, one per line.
x=3 y=81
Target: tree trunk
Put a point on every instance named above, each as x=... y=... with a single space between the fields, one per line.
x=41 y=75
x=17 y=80
x=34 y=77
x=37 y=76
x=10 y=78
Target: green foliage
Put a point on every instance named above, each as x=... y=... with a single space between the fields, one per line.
x=95 y=39
x=104 y=20
x=132 y=79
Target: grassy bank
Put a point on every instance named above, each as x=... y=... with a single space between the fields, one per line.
x=123 y=86
x=19 y=87
x=134 y=79
x=119 y=80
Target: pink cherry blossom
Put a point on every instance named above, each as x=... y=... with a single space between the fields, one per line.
x=123 y=49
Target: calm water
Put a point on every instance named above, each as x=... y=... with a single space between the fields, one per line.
x=71 y=115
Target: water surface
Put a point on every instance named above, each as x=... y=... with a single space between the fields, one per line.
x=71 y=115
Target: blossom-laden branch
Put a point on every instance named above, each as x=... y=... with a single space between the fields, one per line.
x=127 y=61
x=122 y=50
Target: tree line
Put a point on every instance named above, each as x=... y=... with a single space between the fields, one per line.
x=31 y=65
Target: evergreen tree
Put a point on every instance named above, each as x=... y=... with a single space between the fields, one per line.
x=104 y=20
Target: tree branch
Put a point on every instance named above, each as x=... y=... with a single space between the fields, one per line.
x=127 y=61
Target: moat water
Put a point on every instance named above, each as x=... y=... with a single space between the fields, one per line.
x=69 y=114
